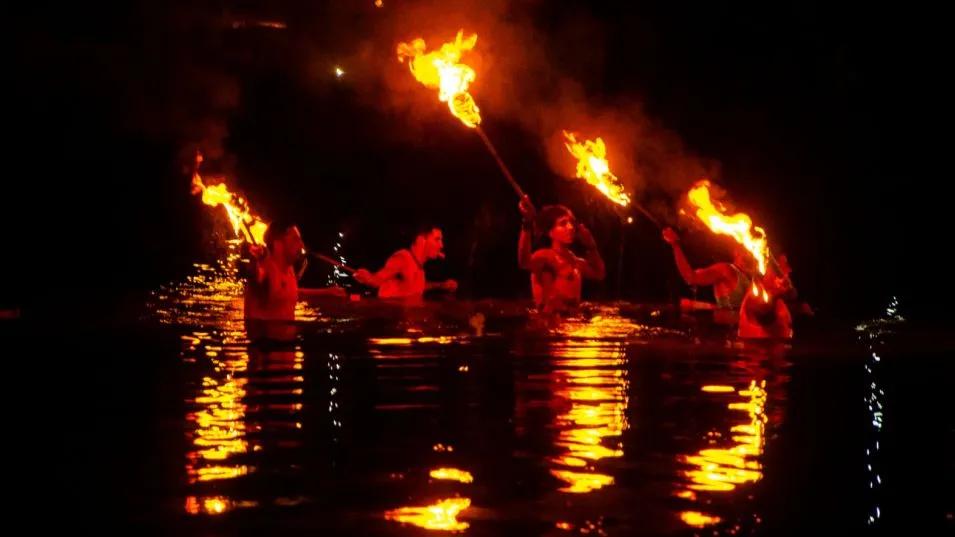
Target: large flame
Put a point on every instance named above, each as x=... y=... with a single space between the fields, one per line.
x=246 y=225
x=592 y=166
x=441 y=69
x=738 y=226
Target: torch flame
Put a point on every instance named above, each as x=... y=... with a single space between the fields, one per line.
x=738 y=226
x=244 y=223
x=592 y=166
x=441 y=69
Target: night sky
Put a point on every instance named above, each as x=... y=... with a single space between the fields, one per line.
x=794 y=108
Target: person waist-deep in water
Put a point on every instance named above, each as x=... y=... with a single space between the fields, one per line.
x=556 y=272
x=730 y=281
x=272 y=290
x=764 y=313
x=403 y=276
x=770 y=315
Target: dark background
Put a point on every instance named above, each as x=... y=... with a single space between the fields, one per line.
x=799 y=104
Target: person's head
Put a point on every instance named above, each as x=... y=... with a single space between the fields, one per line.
x=284 y=240
x=557 y=223
x=429 y=240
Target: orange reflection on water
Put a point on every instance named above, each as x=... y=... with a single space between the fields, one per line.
x=401 y=341
x=219 y=421
x=697 y=519
x=213 y=505
x=212 y=294
x=724 y=469
x=452 y=474
x=717 y=389
x=593 y=382
x=441 y=515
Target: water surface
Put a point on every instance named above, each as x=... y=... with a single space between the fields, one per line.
x=371 y=420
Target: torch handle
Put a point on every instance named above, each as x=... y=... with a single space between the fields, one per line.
x=248 y=232
x=507 y=173
x=331 y=261
x=649 y=216
x=775 y=266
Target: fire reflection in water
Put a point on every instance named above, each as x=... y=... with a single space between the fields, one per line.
x=212 y=294
x=222 y=431
x=442 y=514
x=722 y=469
x=593 y=383
x=217 y=422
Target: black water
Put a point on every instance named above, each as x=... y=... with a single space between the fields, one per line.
x=167 y=420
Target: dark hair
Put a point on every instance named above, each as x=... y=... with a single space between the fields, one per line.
x=421 y=228
x=547 y=218
x=275 y=230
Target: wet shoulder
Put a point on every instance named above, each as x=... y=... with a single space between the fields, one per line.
x=400 y=258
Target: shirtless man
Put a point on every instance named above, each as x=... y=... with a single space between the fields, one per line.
x=556 y=272
x=272 y=289
x=769 y=317
x=730 y=281
x=403 y=275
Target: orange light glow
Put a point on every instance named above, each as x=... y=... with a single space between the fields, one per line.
x=219 y=421
x=407 y=341
x=738 y=226
x=441 y=515
x=442 y=69
x=724 y=469
x=718 y=389
x=452 y=474
x=592 y=166
x=244 y=223
x=697 y=519
x=597 y=394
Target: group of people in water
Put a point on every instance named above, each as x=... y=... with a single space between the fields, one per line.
x=556 y=274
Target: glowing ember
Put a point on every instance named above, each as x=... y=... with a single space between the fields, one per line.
x=246 y=225
x=441 y=69
x=442 y=515
x=738 y=226
x=592 y=166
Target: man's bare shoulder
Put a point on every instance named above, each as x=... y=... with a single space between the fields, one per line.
x=400 y=258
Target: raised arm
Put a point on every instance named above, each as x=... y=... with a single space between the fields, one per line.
x=704 y=276
x=525 y=243
x=592 y=266
x=257 y=273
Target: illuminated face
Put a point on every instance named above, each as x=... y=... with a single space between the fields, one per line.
x=291 y=244
x=563 y=230
x=433 y=244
